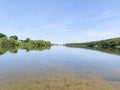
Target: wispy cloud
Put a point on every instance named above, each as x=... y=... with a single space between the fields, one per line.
x=50 y=26
x=62 y=27
x=101 y=16
x=56 y=28
x=102 y=33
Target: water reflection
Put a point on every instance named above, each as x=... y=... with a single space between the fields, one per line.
x=59 y=68
x=14 y=50
x=109 y=50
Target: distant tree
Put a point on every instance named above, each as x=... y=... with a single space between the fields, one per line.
x=14 y=37
x=2 y=35
x=27 y=40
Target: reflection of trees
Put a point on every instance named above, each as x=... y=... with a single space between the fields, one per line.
x=108 y=46
x=14 y=50
x=3 y=50
x=106 y=50
x=31 y=48
x=12 y=44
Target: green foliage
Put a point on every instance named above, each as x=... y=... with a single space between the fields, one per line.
x=108 y=46
x=14 y=37
x=12 y=44
x=4 y=42
x=115 y=42
x=2 y=35
x=26 y=41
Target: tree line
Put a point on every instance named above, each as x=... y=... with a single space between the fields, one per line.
x=109 y=43
x=13 y=41
x=108 y=46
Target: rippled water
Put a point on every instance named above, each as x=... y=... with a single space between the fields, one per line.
x=59 y=68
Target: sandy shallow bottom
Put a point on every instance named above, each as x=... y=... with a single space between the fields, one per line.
x=58 y=81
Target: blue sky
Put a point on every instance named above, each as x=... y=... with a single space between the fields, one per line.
x=61 y=21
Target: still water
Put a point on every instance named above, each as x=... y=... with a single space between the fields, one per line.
x=60 y=68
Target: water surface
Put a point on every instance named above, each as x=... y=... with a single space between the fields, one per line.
x=60 y=68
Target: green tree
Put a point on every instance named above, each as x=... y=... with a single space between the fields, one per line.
x=27 y=40
x=14 y=37
x=4 y=41
x=2 y=35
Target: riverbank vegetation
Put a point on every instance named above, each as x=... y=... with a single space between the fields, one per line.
x=108 y=46
x=114 y=43
x=13 y=43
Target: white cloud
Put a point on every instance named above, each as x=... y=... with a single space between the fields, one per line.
x=64 y=25
x=107 y=30
x=56 y=28
x=50 y=26
x=102 y=33
x=100 y=16
x=63 y=30
x=103 y=15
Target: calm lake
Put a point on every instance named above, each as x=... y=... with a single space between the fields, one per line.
x=59 y=68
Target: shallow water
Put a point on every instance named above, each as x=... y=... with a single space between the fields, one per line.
x=59 y=68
